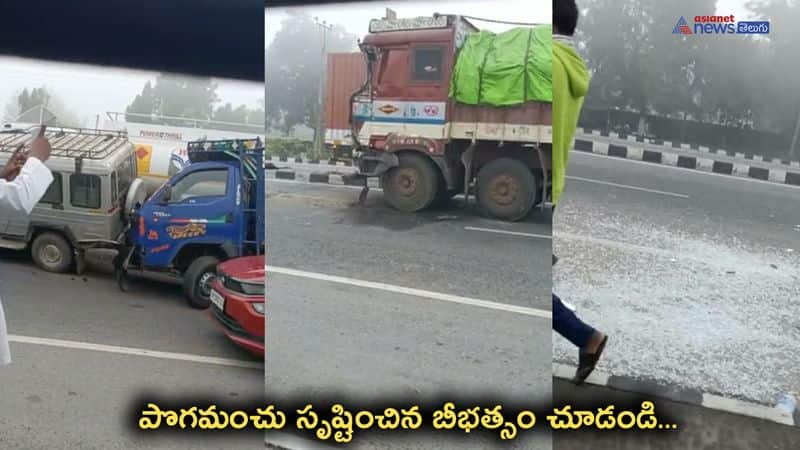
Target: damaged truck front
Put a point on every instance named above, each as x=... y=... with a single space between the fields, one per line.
x=447 y=109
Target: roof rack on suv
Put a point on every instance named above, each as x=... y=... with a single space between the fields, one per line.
x=69 y=142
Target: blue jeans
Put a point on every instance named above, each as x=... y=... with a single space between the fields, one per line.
x=568 y=325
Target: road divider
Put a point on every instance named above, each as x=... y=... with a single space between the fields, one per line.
x=336 y=179
x=678 y=145
x=302 y=160
x=704 y=164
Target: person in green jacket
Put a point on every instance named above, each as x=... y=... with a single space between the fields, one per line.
x=570 y=84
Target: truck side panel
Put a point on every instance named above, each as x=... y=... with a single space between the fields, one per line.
x=529 y=122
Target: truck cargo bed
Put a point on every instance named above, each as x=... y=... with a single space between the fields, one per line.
x=529 y=122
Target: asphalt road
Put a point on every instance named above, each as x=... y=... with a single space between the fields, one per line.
x=356 y=341
x=698 y=428
x=317 y=228
x=683 y=151
x=696 y=279
x=59 y=379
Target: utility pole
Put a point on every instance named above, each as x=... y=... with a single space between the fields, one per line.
x=320 y=131
x=41 y=109
x=793 y=149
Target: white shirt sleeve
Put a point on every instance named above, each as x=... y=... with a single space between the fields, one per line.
x=22 y=194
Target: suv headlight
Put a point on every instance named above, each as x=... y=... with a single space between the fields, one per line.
x=251 y=289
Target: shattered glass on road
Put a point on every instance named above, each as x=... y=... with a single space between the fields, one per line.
x=684 y=301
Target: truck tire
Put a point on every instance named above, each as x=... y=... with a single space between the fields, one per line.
x=506 y=189
x=196 y=281
x=51 y=252
x=412 y=185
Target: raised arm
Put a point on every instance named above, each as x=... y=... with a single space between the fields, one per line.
x=19 y=193
x=23 y=193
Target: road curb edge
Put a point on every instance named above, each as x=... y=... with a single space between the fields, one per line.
x=680 y=394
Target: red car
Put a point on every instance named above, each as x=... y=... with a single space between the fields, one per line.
x=237 y=301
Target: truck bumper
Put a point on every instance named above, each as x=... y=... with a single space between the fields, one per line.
x=374 y=164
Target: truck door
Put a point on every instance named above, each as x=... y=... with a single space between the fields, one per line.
x=412 y=85
x=198 y=207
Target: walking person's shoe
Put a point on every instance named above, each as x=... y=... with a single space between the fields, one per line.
x=587 y=359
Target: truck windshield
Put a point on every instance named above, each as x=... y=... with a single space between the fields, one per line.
x=203 y=183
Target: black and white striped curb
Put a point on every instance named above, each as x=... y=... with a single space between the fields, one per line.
x=681 y=394
x=710 y=165
x=321 y=178
x=682 y=146
x=301 y=160
x=701 y=163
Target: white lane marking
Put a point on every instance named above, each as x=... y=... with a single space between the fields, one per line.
x=699 y=172
x=413 y=292
x=625 y=186
x=512 y=233
x=76 y=345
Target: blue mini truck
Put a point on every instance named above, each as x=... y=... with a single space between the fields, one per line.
x=210 y=211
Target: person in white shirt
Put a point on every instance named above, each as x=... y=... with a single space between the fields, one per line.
x=23 y=182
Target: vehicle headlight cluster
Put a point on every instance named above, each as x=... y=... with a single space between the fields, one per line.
x=242 y=287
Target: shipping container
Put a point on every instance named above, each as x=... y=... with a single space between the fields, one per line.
x=346 y=73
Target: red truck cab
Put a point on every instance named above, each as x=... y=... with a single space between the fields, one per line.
x=237 y=301
x=425 y=146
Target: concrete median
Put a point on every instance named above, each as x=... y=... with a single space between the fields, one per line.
x=707 y=163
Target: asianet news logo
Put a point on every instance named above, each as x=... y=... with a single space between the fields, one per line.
x=720 y=25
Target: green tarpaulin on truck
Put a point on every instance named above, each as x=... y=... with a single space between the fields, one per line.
x=505 y=69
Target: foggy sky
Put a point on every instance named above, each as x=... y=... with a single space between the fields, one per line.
x=88 y=90
x=355 y=17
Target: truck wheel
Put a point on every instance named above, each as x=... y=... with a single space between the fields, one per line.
x=412 y=185
x=197 y=281
x=506 y=189
x=51 y=252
